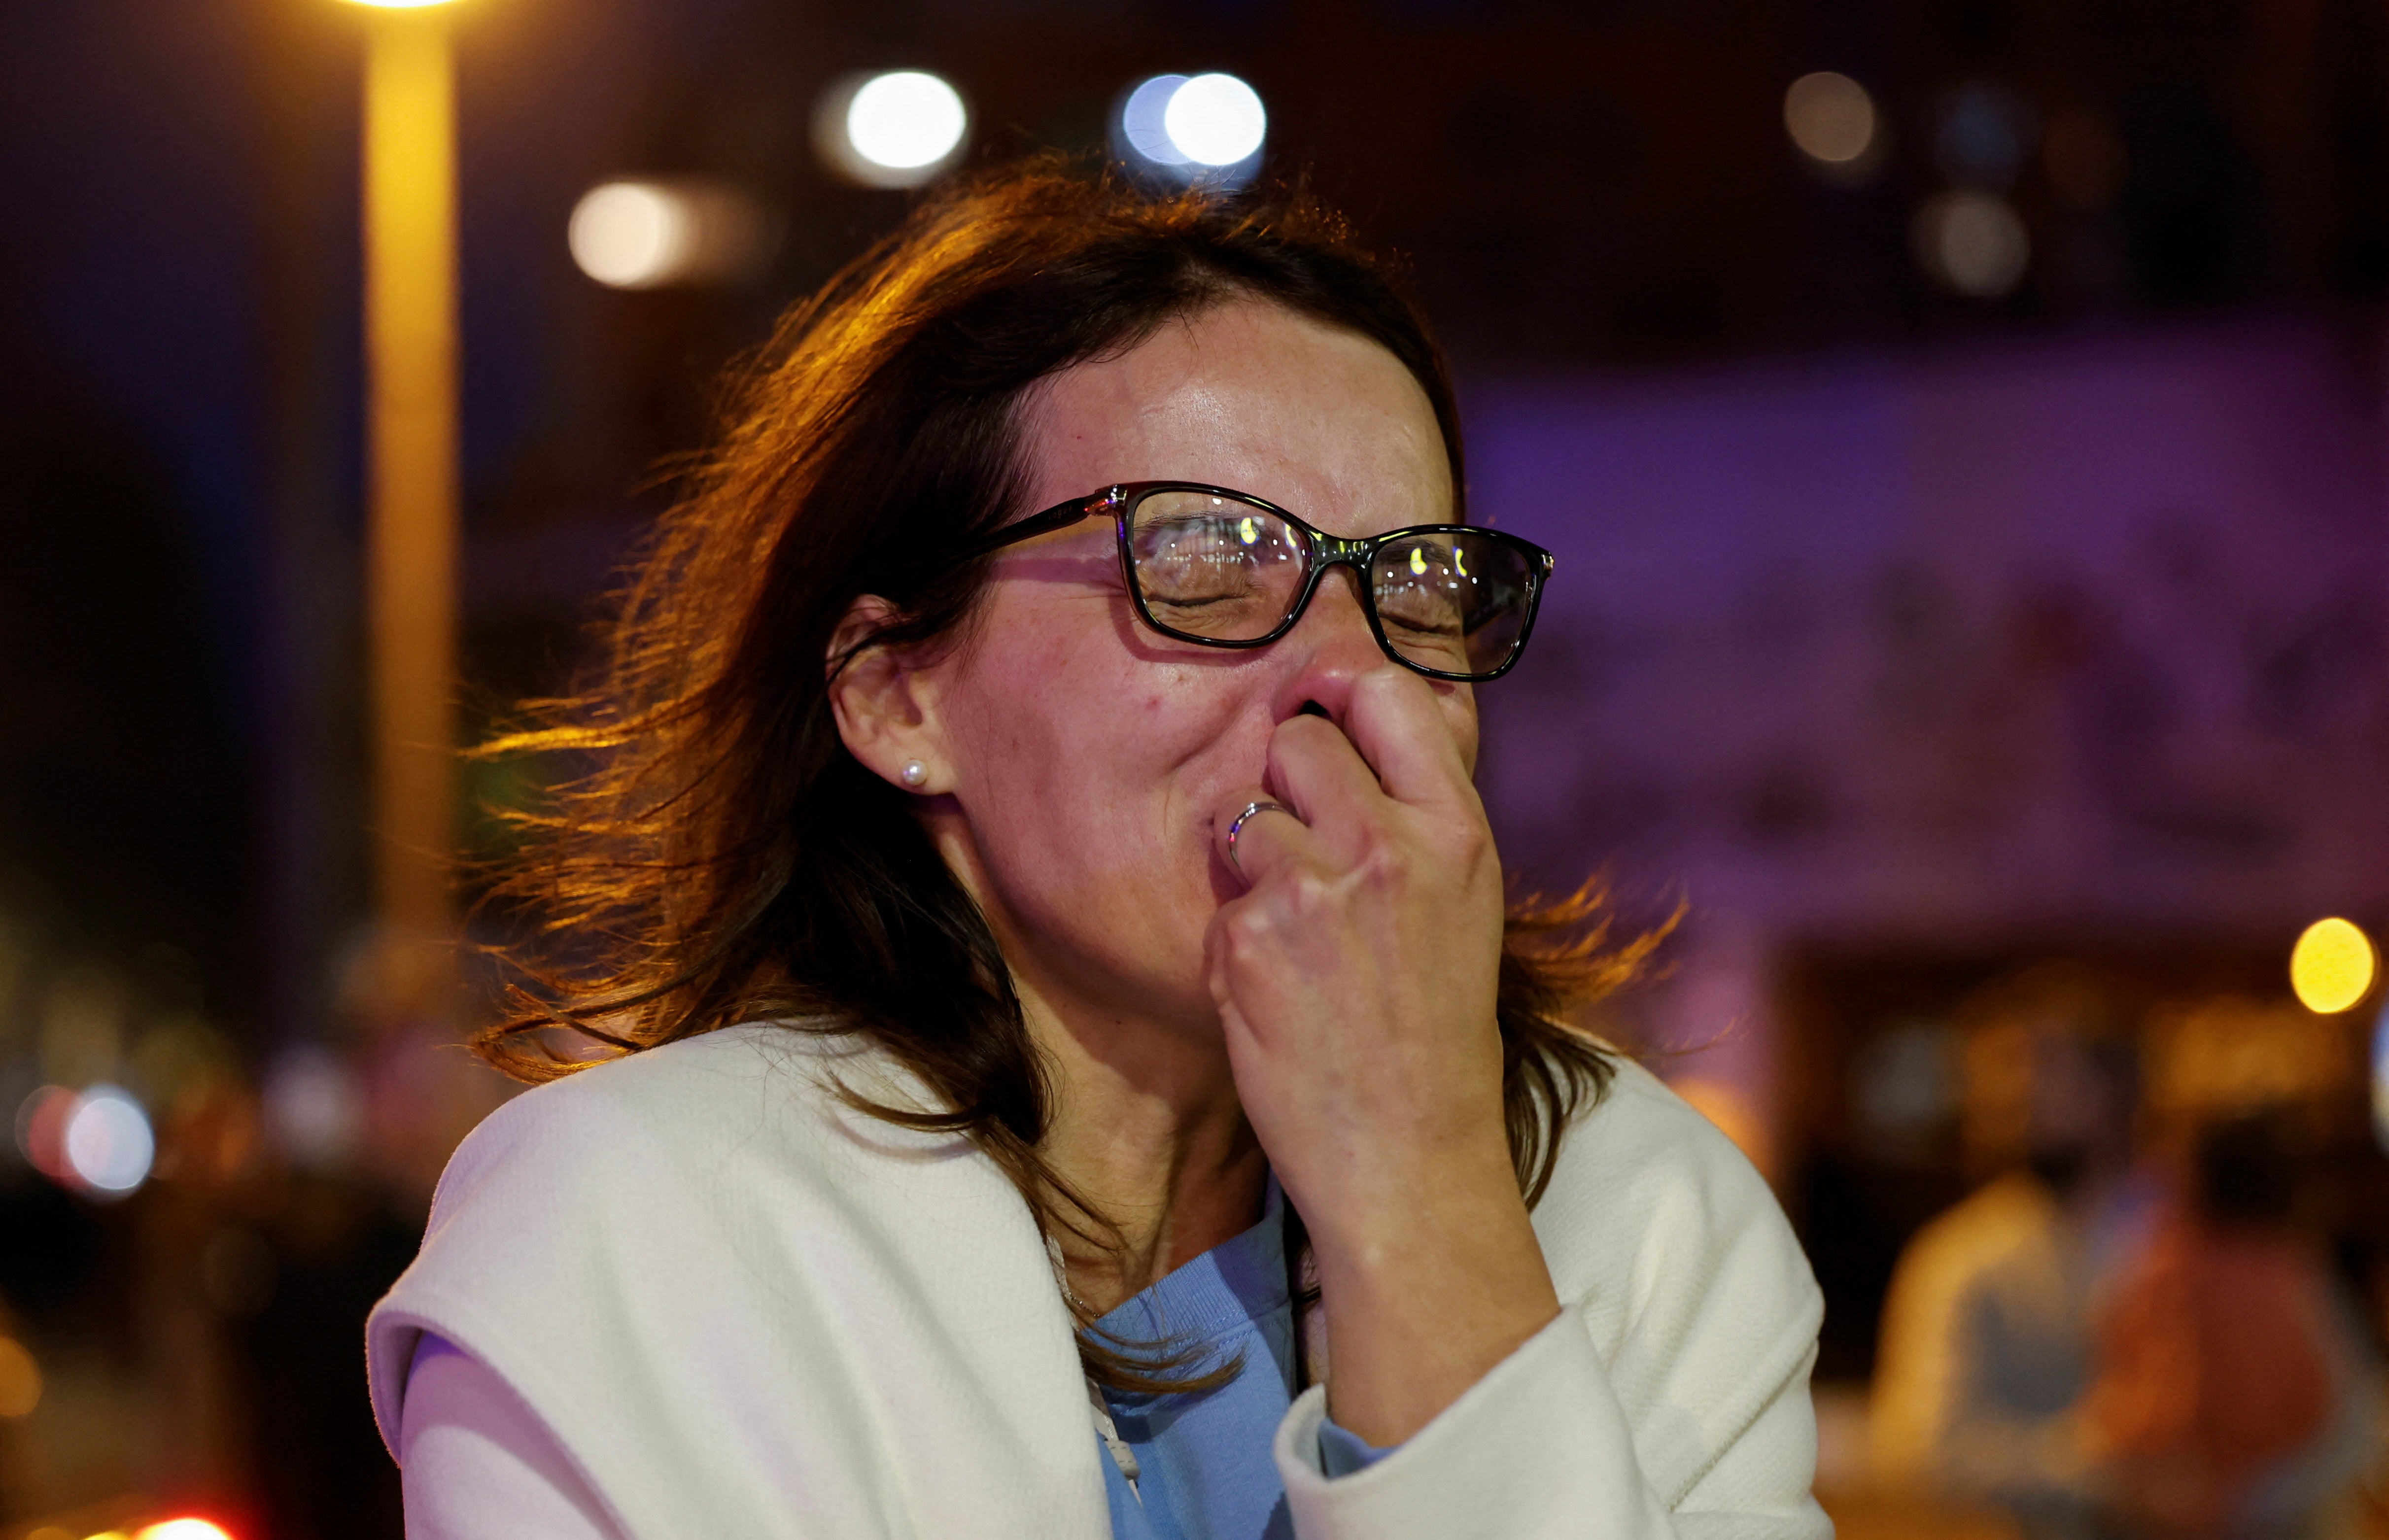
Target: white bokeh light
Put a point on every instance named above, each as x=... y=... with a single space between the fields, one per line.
x=1216 y=119
x=651 y=234
x=108 y=1144
x=1141 y=121
x=905 y=120
x=629 y=235
x=896 y=129
x=1974 y=243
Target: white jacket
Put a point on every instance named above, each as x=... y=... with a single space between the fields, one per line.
x=746 y=1311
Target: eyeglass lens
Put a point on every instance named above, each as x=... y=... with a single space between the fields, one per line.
x=1217 y=569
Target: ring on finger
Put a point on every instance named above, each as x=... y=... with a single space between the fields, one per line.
x=1237 y=827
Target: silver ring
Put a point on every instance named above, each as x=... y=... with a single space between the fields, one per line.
x=1237 y=827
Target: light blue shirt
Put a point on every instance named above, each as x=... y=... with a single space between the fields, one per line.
x=1205 y=1472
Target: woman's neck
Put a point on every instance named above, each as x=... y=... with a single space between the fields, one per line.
x=1147 y=1125
x=1143 y=1121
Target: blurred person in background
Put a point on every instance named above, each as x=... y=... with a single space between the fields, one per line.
x=1987 y=1343
x=1066 y=1070
x=2235 y=1393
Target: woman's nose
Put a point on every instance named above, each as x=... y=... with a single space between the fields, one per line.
x=1330 y=647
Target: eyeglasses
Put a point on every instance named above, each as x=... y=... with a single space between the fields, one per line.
x=1224 y=568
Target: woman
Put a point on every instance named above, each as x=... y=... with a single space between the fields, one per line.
x=1048 y=727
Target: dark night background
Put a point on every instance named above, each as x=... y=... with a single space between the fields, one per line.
x=1916 y=636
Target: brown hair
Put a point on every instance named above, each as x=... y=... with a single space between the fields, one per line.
x=721 y=857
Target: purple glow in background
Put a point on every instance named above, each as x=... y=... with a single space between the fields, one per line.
x=2012 y=646
x=2082 y=633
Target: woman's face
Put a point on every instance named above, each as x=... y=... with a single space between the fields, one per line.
x=1085 y=755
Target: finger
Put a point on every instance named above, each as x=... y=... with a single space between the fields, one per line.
x=1314 y=769
x=1263 y=842
x=1396 y=723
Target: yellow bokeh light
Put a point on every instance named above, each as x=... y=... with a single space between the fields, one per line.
x=183 y=1528
x=2332 y=966
x=400 y=4
x=20 y=1379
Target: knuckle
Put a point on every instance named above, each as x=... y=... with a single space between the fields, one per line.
x=1385 y=863
x=1308 y=892
x=1246 y=931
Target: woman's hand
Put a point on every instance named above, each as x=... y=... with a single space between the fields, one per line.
x=1356 y=980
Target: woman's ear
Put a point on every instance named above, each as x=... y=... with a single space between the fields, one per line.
x=885 y=699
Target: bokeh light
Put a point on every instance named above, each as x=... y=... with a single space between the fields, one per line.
x=42 y=1129
x=2332 y=966
x=107 y=1142
x=906 y=120
x=183 y=1528
x=896 y=129
x=314 y=1109
x=1973 y=243
x=628 y=234
x=653 y=235
x=2381 y=1079
x=1216 y=119
x=1185 y=129
x=401 y=4
x=1831 y=118
x=20 y=1379
x=1141 y=121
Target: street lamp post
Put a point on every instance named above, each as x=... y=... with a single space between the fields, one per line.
x=410 y=312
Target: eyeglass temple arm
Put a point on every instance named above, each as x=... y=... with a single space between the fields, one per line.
x=1059 y=516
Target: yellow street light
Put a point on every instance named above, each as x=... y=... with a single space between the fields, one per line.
x=410 y=248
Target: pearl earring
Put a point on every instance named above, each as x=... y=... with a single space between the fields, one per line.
x=914 y=773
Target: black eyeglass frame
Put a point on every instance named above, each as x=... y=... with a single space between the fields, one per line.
x=1326 y=551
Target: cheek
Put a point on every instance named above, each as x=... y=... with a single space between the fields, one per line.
x=1064 y=740
x=1090 y=816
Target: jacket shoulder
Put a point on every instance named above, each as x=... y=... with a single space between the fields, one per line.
x=659 y=1172
x=727 y=1289
x=759 y=1091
